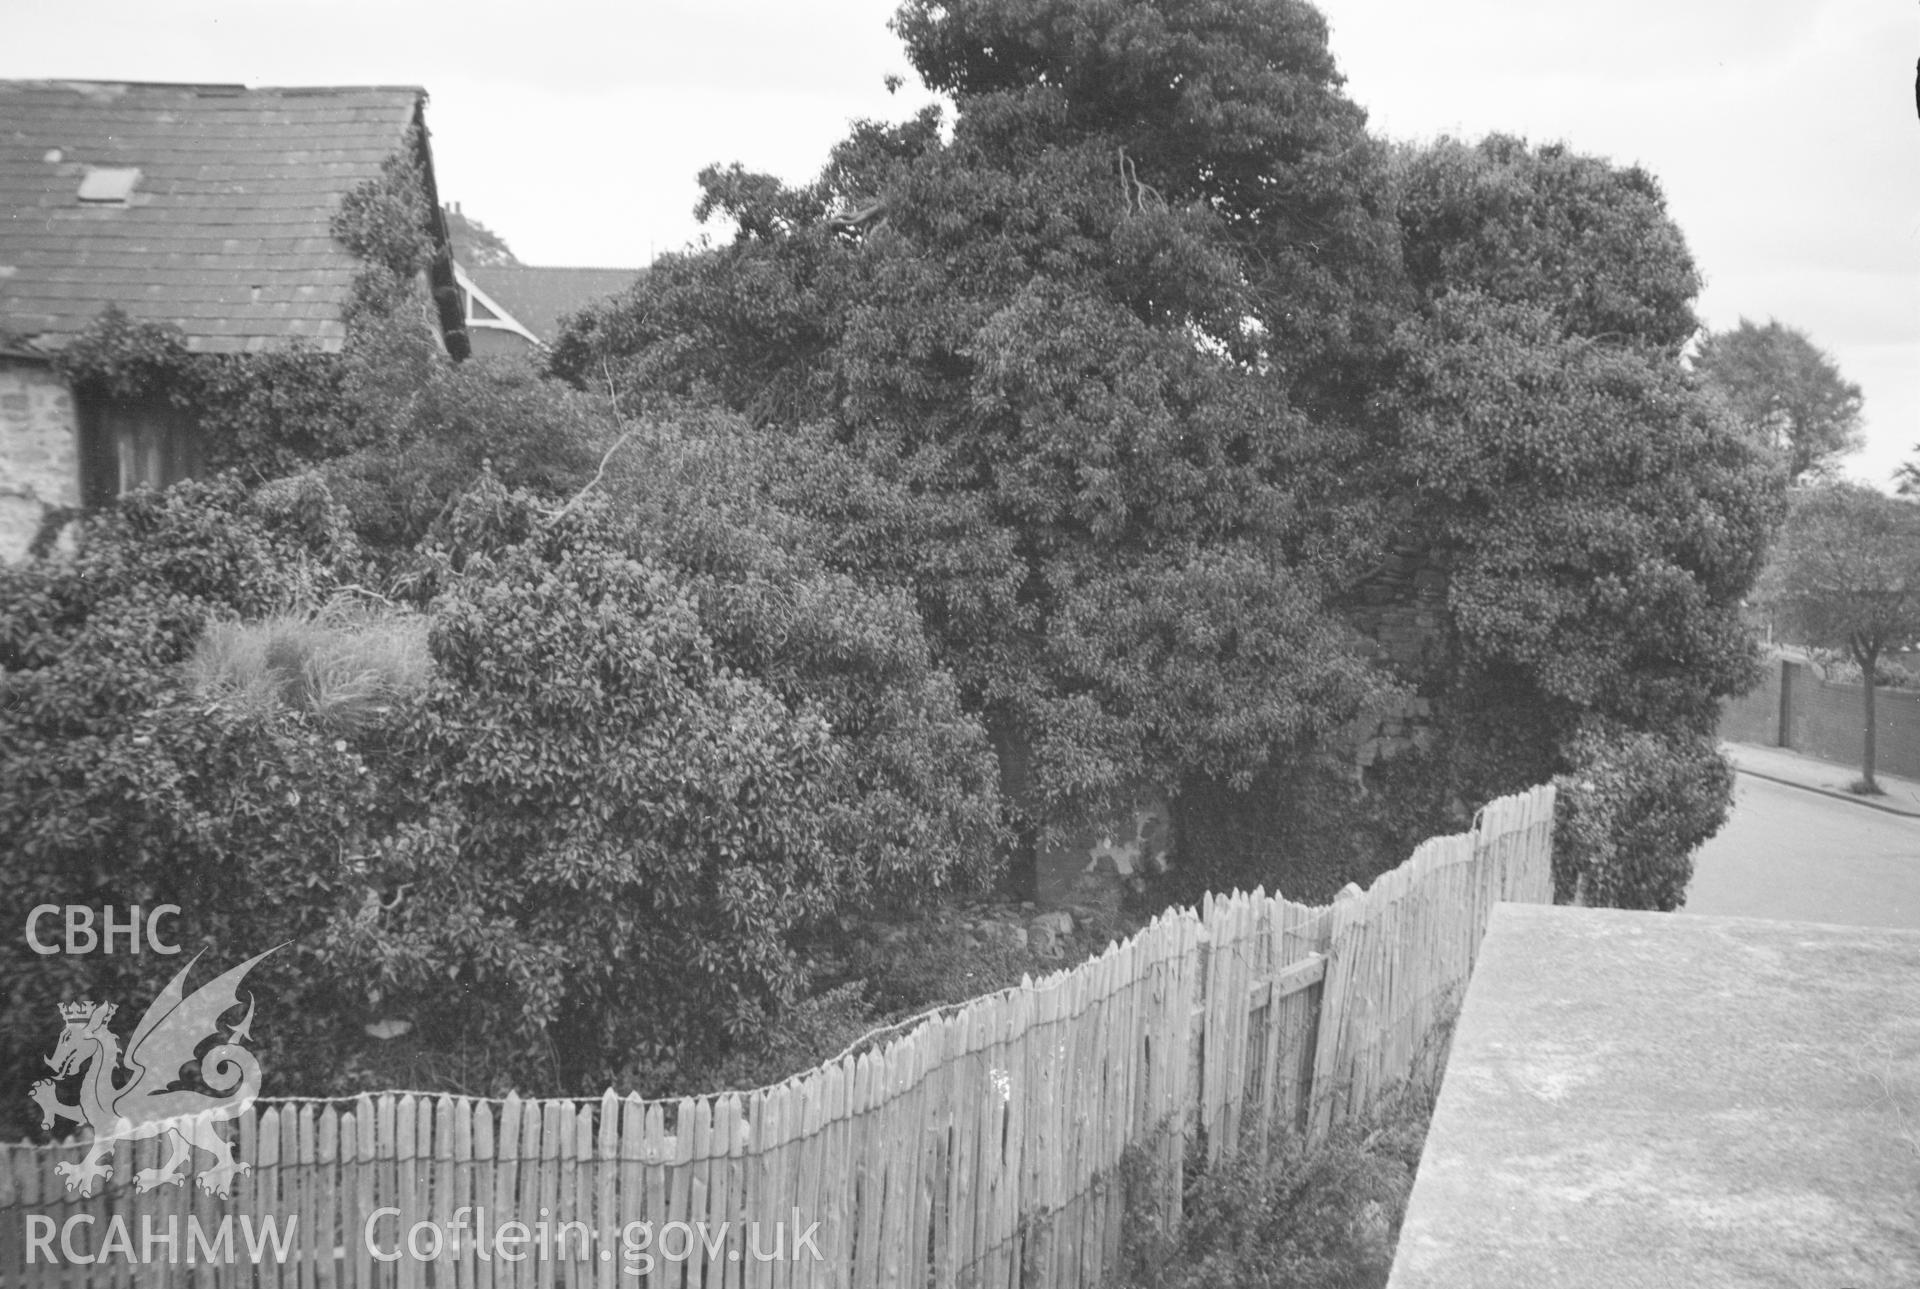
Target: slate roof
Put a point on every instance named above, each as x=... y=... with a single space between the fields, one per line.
x=225 y=233
x=538 y=298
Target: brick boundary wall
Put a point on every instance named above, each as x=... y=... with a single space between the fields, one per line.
x=1794 y=708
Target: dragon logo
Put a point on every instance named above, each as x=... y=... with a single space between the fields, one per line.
x=147 y=1103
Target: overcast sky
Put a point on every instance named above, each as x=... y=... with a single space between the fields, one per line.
x=1783 y=131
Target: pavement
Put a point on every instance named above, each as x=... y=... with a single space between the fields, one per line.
x=1805 y=856
x=1637 y=1099
x=1783 y=765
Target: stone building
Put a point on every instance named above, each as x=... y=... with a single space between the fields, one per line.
x=204 y=207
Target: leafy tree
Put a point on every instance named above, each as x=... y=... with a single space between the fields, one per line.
x=634 y=797
x=1588 y=241
x=1600 y=518
x=1073 y=334
x=617 y=830
x=1225 y=107
x=425 y=443
x=1908 y=478
x=748 y=519
x=1159 y=325
x=1785 y=392
x=659 y=752
x=1847 y=575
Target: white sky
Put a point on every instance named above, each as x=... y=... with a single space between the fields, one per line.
x=1783 y=131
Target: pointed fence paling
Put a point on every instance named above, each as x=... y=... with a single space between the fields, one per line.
x=983 y=1147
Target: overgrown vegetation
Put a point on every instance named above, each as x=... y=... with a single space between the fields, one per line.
x=1170 y=372
x=1630 y=814
x=1317 y=1215
x=583 y=719
x=1310 y=823
x=121 y=786
x=1310 y=1213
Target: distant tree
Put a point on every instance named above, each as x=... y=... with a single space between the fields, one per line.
x=1847 y=575
x=1908 y=475
x=1786 y=392
x=476 y=244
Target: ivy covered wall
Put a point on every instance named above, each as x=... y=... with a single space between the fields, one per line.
x=265 y=414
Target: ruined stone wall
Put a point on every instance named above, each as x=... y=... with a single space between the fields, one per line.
x=1389 y=730
x=39 y=451
x=1402 y=614
x=1091 y=867
x=1402 y=610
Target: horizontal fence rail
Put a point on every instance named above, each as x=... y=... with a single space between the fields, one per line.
x=982 y=1147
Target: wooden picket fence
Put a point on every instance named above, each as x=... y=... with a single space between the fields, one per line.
x=981 y=1147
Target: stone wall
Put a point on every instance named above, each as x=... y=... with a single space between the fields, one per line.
x=1401 y=613
x=1092 y=866
x=39 y=451
x=1389 y=730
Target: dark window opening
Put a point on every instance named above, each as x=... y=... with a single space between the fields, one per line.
x=125 y=443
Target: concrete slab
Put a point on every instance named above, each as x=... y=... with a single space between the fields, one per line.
x=1636 y=1100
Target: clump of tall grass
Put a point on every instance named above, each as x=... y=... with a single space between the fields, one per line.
x=347 y=664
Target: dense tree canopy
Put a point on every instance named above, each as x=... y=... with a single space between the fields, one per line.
x=1070 y=332
x=1230 y=109
x=1589 y=242
x=1786 y=393
x=659 y=745
x=1603 y=517
x=617 y=830
x=1169 y=351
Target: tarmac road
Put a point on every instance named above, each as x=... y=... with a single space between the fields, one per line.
x=1791 y=854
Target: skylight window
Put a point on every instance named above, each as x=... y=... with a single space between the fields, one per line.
x=109 y=185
